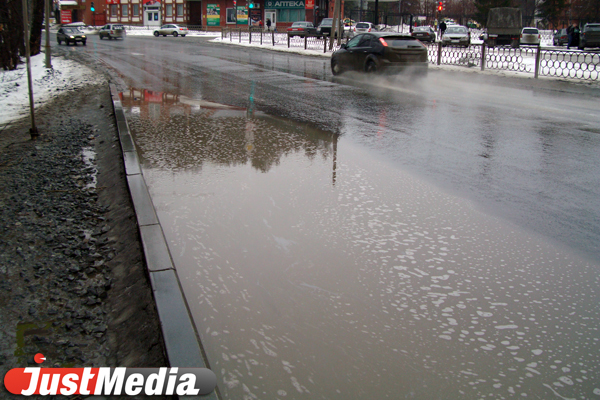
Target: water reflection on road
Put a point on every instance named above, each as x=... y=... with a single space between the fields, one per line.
x=315 y=270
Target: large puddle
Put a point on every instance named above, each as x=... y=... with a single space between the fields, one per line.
x=314 y=270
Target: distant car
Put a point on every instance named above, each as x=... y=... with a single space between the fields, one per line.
x=301 y=28
x=363 y=27
x=530 y=36
x=424 y=33
x=70 y=35
x=456 y=35
x=589 y=36
x=380 y=52
x=171 y=29
x=325 y=26
x=112 y=31
x=560 y=37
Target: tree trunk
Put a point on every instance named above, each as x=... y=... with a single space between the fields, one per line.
x=37 y=23
x=11 y=33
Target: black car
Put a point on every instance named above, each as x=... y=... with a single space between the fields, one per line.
x=379 y=52
x=560 y=37
x=589 y=37
x=424 y=33
x=301 y=28
x=70 y=35
x=325 y=26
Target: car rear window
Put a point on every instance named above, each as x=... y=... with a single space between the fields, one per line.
x=419 y=29
x=531 y=31
x=456 y=30
x=362 y=25
x=118 y=27
x=399 y=41
x=594 y=28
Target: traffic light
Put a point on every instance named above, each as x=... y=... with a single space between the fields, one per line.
x=92 y=9
x=234 y=3
x=440 y=6
x=250 y=3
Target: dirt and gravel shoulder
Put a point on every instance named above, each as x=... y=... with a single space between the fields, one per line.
x=73 y=283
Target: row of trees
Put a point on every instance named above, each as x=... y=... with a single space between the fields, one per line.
x=551 y=13
x=12 y=37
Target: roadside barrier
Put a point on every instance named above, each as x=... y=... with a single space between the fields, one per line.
x=534 y=59
x=531 y=59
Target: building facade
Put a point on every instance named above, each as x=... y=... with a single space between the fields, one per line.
x=209 y=14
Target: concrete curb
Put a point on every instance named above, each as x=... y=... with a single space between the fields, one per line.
x=181 y=341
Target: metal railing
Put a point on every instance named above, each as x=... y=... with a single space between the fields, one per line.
x=533 y=59
x=536 y=60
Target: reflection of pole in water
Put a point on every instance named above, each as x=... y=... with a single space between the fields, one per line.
x=335 y=138
x=251 y=99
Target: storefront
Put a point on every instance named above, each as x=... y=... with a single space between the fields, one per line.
x=283 y=13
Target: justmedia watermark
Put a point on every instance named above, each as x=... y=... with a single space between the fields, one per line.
x=109 y=381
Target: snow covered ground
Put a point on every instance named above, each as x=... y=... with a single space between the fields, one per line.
x=14 y=93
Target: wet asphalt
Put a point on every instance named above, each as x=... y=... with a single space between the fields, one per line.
x=343 y=238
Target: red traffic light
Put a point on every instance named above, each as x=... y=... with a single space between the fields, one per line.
x=440 y=6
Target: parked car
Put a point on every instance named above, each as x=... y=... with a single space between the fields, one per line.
x=171 y=29
x=424 y=33
x=112 y=31
x=362 y=27
x=325 y=26
x=457 y=35
x=589 y=36
x=70 y=35
x=380 y=52
x=560 y=37
x=530 y=36
x=301 y=28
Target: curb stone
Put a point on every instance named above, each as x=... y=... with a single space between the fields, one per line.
x=182 y=344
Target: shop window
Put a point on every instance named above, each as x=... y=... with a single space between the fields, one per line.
x=136 y=10
x=290 y=15
x=124 y=10
x=231 y=16
x=169 y=10
x=180 y=10
x=113 y=10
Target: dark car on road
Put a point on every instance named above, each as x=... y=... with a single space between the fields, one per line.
x=301 y=28
x=560 y=37
x=70 y=35
x=424 y=33
x=326 y=26
x=380 y=52
x=590 y=36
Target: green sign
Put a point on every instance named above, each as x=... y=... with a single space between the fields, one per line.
x=242 y=15
x=295 y=4
x=213 y=15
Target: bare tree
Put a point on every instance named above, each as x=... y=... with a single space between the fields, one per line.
x=11 y=33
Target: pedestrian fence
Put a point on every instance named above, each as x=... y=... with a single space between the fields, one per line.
x=531 y=59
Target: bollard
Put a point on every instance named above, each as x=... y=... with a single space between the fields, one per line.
x=439 y=58
x=261 y=32
x=288 y=41
x=250 y=36
x=305 y=41
x=537 y=61
x=483 y=56
x=324 y=44
x=273 y=37
x=240 y=32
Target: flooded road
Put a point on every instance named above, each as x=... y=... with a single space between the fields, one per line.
x=315 y=268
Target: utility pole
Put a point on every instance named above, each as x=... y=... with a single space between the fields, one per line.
x=334 y=28
x=33 y=130
x=47 y=11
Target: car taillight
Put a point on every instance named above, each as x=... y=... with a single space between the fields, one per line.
x=539 y=36
x=383 y=42
x=369 y=30
x=354 y=29
x=112 y=32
